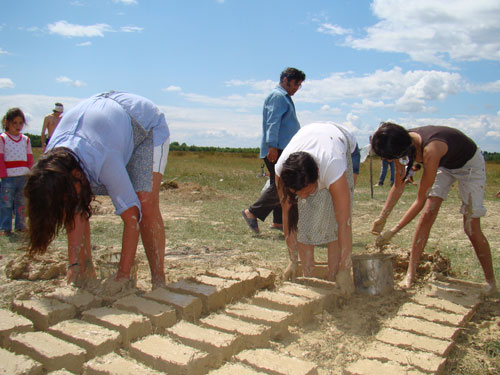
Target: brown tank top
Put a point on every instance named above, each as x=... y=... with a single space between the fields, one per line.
x=460 y=147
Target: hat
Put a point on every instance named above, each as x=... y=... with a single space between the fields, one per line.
x=59 y=108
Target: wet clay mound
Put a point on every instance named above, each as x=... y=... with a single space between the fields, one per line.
x=429 y=265
x=45 y=267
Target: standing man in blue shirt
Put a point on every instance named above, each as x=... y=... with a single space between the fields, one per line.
x=279 y=125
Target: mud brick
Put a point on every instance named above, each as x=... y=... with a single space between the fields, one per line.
x=320 y=271
x=60 y=372
x=51 y=352
x=422 y=312
x=423 y=361
x=164 y=354
x=441 y=304
x=44 y=312
x=131 y=326
x=247 y=277
x=235 y=368
x=423 y=327
x=13 y=364
x=187 y=307
x=301 y=308
x=461 y=294
x=334 y=299
x=211 y=298
x=276 y=319
x=113 y=364
x=96 y=340
x=221 y=345
x=412 y=341
x=233 y=290
x=11 y=322
x=161 y=316
x=372 y=366
x=275 y=363
x=266 y=278
x=319 y=296
x=252 y=335
x=81 y=299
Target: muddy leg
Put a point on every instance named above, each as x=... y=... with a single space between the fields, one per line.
x=333 y=259
x=306 y=253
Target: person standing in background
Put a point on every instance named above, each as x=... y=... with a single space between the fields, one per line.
x=279 y=125
x=50 y=123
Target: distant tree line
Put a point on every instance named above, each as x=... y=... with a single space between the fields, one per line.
x=36 y=141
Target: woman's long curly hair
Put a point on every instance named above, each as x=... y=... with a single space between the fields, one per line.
x=53 y=199
x=392 y=142
x=299 y=170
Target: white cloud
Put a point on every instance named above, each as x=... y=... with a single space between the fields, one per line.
x=221 y=1
x=84 y=44
x=3 y=52
x=126 y=2
x=327 y=28
x=69 y=81
x=67 y=29
x=435 y=31
x=172 y=88
x=131 y=29
x=6 y=83
x=409 y=91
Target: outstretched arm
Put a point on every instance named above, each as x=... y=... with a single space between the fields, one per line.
x=290 y=237
x=130 y=239
x=394 y=194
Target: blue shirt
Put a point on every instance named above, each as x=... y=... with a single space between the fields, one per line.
x=99 y=131
x=279 y=121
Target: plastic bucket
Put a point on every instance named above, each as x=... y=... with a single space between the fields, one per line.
x=373 y=274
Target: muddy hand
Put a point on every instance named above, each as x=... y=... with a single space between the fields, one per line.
x=384 y=238
x=344 y=282
x=291 y=271
x=378 y=225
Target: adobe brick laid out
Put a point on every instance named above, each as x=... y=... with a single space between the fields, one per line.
x=13 y=364
x=423 y=327
x=276 y=319
x=422 y=361
x=79 y=298
x=462 y=293
x=235 y=368
x=11 y=322
x=248 y=278
x=44 y=312
x=233 y=290
x=211 y=298
x=131 y=326
x=164 y=354
x=423 y=312
x=60 y=372
x=221 y=345
x=95 y=339
x=52 y=352
x=187 y=307
x=372 y=366
x=161 y=316
x=113 y=364
x=252 y=335
x=274 y=363
x=411 y=340
x=318 y=295
x=301 y=308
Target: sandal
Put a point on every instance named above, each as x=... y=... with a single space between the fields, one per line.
x=252 y=223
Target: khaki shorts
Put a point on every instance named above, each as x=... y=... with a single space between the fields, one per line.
x=471 y=184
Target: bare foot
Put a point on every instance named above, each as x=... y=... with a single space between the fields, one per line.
x=344 y=282
x=407 y=282
x=489 y=290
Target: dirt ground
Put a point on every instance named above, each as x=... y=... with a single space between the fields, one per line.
x=332 y=340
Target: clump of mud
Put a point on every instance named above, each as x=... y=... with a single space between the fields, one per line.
x=428 y=266
x=36 y=267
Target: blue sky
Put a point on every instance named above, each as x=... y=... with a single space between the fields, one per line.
x=209 y=64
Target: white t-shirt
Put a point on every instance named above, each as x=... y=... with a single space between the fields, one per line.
x=326 y=143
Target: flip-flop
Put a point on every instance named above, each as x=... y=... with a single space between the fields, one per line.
x=252 y=223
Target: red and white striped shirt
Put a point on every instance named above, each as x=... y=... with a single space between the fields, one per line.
x=16 y=157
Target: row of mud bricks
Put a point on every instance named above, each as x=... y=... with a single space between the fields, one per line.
x=220 y=323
